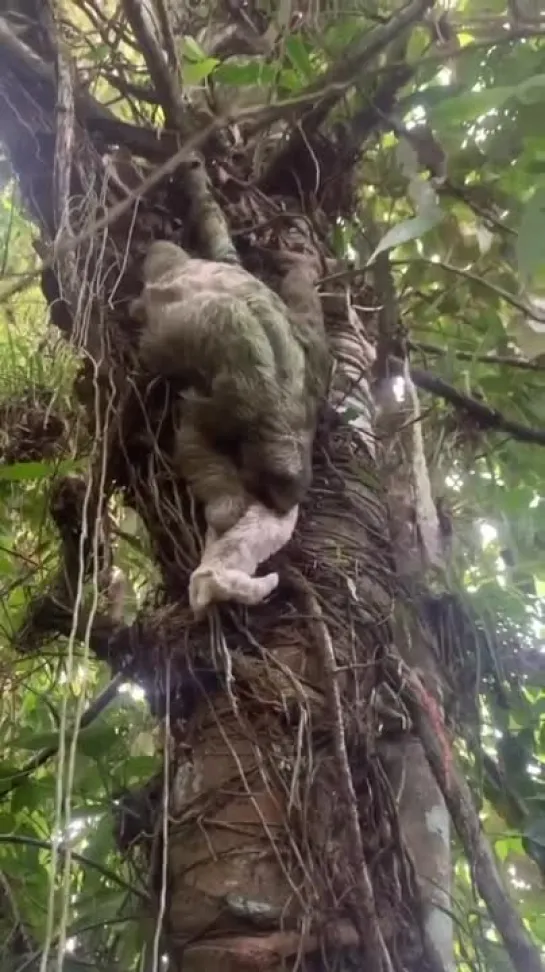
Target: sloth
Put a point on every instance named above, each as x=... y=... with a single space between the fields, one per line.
x=253 y=377
x=229 y=561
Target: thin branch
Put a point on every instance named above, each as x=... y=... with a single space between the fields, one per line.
x=373 y=114
x=131 y=90
x=356 y=58
x=484 y=415
x=167 y=31
x=118 y=210
x=327 y=90
x=167 y=168
x=481 y=281
x=503 y=360
x=522 y=951
x=464 y=194
x=97 y=119
x=93 y=710
x=514 y=34
x=80 y=858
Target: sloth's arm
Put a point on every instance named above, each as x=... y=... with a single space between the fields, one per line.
x=212 y=476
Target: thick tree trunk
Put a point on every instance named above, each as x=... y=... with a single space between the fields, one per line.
x=279 y=841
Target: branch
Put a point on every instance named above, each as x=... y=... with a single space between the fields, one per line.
x=481 y=281
x=356 y=58
x=93 y=710
x=98 y=120
x=484 y=415
x=164 y=78
x=464 y=194
x=521 y=950
x=167 y=168
x=329 y=88
x=368 y=118
x=115 y=212
x=80 y=858
x=508 y=361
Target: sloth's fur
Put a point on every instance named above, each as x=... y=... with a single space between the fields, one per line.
x=229 y=562
x=255 y=376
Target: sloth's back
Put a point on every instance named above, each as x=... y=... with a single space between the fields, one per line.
x=217 y=318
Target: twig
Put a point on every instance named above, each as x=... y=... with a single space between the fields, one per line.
x=474 y=278
x=116 y=211
x=326 y=91
x=357 y=56
x=80 y=858
x=93 y=710
x=522 y=952
x=64 y=141
x=503 y=360
x=487 y=417
x=376 y=110
x=167 y=31
x=166 y=168
x=464 y=193
x=439 y=56
x=371 y=937
x=31 y=69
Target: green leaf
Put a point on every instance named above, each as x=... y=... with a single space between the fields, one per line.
x=193 y=72
x=93 y=740
x=97 y=740
x=535 y=830
x=19 y=471
x=298 y=55
x=290 y=80
x=99 y=53
x=27 y=796
x=35 y=741
x=529 y=249
x=470 y=106
x=138 y=769
x=8 y=823
x=192 y=50
x=101 y=839
x=531 y=90
x=244 y=75
x=411 y=229
x=419 y=41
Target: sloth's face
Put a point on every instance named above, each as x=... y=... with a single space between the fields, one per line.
x=282 y=492
x=278 y=474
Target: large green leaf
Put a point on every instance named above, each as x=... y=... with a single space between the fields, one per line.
x=411 y=229
x=530 y=248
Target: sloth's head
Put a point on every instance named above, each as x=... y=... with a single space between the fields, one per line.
x=277 y=472
x=162 y=259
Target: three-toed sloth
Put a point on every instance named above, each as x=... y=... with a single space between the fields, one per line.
x=254 y=376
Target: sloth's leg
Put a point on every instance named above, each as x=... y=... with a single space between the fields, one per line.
x=212 y=476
